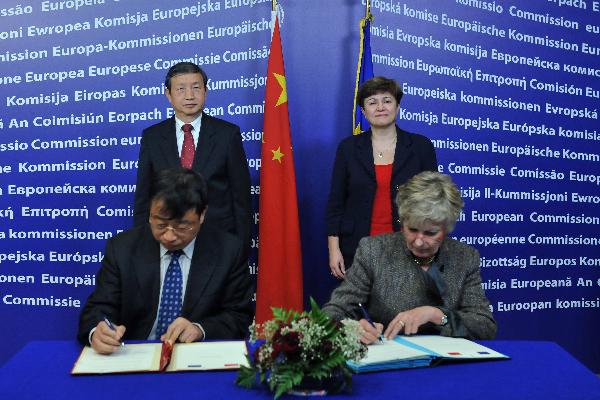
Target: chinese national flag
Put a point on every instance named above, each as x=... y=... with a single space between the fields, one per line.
x=279 y=255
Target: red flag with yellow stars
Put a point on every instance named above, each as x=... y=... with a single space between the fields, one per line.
x=279 y=254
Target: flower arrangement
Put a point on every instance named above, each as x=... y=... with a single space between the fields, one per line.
x=301 y=346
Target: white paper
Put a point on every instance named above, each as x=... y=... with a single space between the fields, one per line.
x=138 y=357
x=449 y=347
x=208 y=355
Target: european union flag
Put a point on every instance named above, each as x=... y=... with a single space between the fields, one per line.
x=364 y=72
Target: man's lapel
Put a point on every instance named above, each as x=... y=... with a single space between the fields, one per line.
x=147 y=264
x=202 y=269
x=169 y=143
x=206 y=143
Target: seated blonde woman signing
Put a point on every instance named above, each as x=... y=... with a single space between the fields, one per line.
x=417 y=280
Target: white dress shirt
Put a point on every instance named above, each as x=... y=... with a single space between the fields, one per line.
x=196 y=124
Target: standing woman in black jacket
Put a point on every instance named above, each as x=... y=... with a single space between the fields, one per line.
x=367 y=172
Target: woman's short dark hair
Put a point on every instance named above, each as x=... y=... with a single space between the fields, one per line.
x=180 y=190
x=184 y=68
x=379 y=84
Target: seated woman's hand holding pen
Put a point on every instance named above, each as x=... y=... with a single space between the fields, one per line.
x=372 y=332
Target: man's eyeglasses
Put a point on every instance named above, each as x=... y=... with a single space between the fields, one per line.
x=180 y=228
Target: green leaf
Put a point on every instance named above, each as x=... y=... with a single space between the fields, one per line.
x=285 y=316
x=246 y=377
x=285 y=380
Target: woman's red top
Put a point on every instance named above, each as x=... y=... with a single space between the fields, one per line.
x=381 y=217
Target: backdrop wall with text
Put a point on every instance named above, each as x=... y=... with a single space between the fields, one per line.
x=508 y=91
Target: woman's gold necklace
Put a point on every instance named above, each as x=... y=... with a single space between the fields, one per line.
x=423 y=261
x=380 y=152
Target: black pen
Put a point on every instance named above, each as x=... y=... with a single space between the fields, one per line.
x=112 y=328
x=369 y=320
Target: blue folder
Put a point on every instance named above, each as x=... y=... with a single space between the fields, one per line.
x=421 y=351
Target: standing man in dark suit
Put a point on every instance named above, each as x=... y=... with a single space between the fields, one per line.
x=213 y=148
x=172 y=278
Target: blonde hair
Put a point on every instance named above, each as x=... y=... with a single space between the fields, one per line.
x=429 y=197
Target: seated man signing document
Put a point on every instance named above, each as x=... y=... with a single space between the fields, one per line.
x=171 y=279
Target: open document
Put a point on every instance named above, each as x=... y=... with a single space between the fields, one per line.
x=420 y=351
x=158 y=357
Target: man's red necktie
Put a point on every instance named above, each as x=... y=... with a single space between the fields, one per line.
x=188 y=150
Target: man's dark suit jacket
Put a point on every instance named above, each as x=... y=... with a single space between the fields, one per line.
x=219 y=157
x=218 y=294
x=353 y=184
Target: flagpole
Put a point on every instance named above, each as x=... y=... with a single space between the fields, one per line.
x=275 y=4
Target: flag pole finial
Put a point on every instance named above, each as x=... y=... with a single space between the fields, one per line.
x=368 y=14
x=274 y=6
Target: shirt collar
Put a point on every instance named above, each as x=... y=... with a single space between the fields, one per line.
x=197 y=123
x=187 y=250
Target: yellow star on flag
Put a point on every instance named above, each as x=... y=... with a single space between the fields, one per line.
x=277 y=154
x=283 y=96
